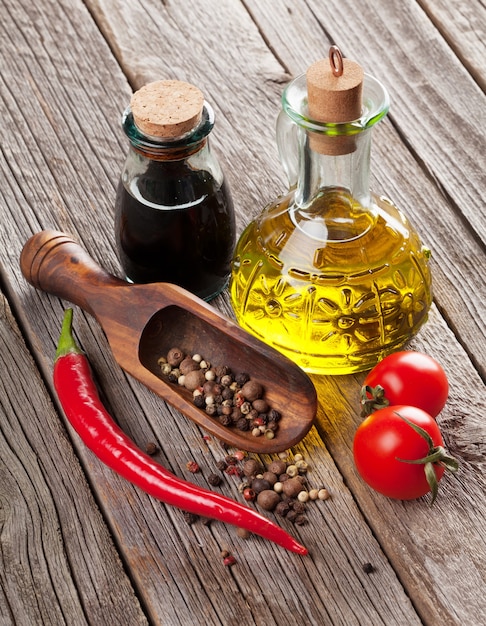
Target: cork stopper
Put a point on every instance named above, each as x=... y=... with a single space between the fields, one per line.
x=167 y=108
x=334 y=93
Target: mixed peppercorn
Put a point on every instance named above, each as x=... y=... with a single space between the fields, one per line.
x=281 y=486
x=235 y=400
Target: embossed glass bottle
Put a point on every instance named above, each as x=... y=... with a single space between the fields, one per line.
x=330 y=274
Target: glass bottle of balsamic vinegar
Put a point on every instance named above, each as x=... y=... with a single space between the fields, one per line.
x=330 y=274
x=174 y=216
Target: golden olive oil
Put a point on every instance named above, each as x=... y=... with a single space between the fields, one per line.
x=336 y=286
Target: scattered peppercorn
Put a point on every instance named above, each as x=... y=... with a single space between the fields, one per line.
x=233 y=470
x=193 y=467
x=368 y=568
x=292 y=487
x=229 y=560
x=282 y=508
x=268 y=499
x=277 y=467
x=214 y=480
x=151 y=448
x=252 y=467
x=287 y=496
x=249 y=494
x=190 y=518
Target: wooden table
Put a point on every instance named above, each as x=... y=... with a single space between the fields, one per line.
x=78 y=545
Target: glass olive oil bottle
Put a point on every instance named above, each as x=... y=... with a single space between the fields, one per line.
x=331 y=275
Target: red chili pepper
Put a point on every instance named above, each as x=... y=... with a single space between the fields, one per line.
x=83 y=408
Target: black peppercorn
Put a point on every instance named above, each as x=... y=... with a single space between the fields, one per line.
x=151 y=448
x=227 y=393
x=260 y=484
x=298 y=507
x=190 y=517
x=274 y=415
x=222 y=370
x=214 y=480
x=199 y=401
x=292 y=516
x=208 y=387
x=300 y=520
x=282 y=508
x=225 y=420
x=243 y=424
x=221 y=465
x=242 y=378
x=236 y=415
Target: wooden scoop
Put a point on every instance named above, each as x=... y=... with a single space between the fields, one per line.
x=143 y=322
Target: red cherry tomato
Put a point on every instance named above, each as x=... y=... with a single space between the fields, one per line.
x=385 y=437
x=411 y=378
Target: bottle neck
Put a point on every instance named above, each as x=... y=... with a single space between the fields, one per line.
x=170 y=149
x=333 y=165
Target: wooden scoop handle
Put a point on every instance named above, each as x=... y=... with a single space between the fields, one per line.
x=53 y=262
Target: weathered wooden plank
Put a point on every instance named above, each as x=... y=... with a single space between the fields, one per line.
x=463 y=26
x=50 y=86
x=407 y=177
x=57 y=558
x=177 y=570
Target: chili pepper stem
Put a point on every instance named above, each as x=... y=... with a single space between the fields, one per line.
x=66 y=343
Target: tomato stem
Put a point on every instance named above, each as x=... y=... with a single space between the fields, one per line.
x=372 y=399
x=436 y=455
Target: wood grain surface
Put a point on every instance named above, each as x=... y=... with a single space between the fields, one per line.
x=78 y=545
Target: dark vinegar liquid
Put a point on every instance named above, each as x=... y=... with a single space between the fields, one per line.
x=174 y=224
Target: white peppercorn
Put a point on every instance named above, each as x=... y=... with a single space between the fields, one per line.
x=303 y=496
x=323 y=494
x=301 y=465
x=292 y=470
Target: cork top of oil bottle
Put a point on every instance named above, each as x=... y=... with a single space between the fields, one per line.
x=334 y=93
x=167 y=108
